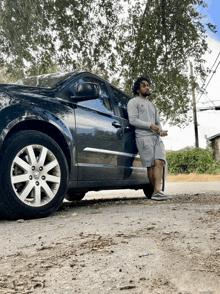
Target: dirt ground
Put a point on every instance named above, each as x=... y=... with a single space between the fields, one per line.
x=117 y=242
x=192 y=177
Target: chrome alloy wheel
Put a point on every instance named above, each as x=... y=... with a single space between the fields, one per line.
x=35 y=175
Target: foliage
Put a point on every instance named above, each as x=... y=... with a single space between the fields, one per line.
x=196 y=160
x=5 y=77
x=119 y=38
x=72 y=34
x=161 y=40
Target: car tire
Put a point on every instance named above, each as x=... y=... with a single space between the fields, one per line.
x=148 y=190
x=34 y=176
x=75 y=196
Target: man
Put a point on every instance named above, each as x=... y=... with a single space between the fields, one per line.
x=143 y=115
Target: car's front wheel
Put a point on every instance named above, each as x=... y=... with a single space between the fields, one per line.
x=34 y=176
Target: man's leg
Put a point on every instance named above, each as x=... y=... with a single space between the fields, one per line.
x=155 y=174
x=151 y=175
x=158 y=174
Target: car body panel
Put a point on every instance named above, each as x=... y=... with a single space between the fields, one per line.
x=34 y=108
x=98 y=145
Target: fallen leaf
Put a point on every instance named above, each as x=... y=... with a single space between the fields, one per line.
x=39 y=284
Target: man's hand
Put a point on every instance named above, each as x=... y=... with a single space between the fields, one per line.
x=163 y=133
x=154 y=128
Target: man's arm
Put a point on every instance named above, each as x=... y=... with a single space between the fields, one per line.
x=155 y=128
x=133 y=117
x=158 y=125
x=157 y=120
x=163 y=133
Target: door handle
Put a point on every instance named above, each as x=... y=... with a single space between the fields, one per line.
x=116 y=125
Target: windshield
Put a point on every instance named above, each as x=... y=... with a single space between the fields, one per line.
x=47 y=80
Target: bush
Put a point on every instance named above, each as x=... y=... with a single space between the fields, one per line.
x=196 y=160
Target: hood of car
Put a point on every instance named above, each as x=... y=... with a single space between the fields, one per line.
x=26 y=90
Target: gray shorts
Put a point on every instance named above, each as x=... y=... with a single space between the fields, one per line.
x=150 y=148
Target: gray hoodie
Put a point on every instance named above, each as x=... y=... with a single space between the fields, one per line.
x=142 y=113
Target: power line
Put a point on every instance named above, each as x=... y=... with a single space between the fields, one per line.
x=209 y=99
x=209 y=80
x=211 y=69
x=209 y=108
x=211 y=76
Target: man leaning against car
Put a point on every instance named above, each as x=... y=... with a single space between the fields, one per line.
x=143 y=115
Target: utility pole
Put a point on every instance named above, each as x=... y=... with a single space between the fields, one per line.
x=194 y=110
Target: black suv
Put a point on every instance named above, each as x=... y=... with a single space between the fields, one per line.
x=63 y=141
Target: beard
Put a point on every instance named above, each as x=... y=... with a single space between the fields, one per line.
x=146 y=94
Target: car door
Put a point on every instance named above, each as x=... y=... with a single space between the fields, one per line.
x=99 y=135
x=133 y=170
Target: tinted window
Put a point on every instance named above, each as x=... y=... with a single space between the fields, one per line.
x=122 y=101
x=102 y=104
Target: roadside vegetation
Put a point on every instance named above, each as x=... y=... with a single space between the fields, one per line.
x=197 y=160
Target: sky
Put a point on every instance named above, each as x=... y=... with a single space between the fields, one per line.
x=208 y=121
x=212 y=13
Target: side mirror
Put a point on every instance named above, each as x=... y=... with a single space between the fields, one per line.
x=87 y=91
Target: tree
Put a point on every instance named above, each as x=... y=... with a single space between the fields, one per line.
x=40 y=34
x=152 y=37
x=161 y=39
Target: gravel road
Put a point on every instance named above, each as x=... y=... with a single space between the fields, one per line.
x=118 y=242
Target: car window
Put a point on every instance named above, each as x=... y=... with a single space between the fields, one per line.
x=103 y=103
x=122 y=101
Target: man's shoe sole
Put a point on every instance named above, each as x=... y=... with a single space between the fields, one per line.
x=160 y=197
